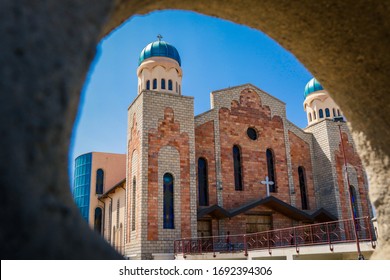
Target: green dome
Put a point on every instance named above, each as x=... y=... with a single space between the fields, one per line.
x=159 y=48
x=312 y=86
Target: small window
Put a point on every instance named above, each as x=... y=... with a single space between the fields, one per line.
x=327 y=113
x=203 y=188
x=162 y=83
x=321 y=114
x=338 y=112
x=334 y=112
x=176 y=88
x=99 y=181
x=271 y=169
x=315 y=115
x=354 y=202
x=148 y=84
x=98 y=220
x=252 y=133
x=237 y=168
x=179 y=89
x=303 y=188
x=169 y=84
x=155 y=84
x=310 y=119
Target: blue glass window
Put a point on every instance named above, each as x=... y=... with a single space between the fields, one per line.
x=321 y=114
x=302 y=187
x=237 y=168
x=327 y=113
x=170 y=86
x=353 y=197
x=99 y=181
x=203 y=188
x=271 y=169
x=148 y=84
x=98 y=220
x=162 y=83
x=168 y=207
x=81 y=187
x=154 y=83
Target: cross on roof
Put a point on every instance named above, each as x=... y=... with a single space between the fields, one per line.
x=268 y=183
x=159 y=37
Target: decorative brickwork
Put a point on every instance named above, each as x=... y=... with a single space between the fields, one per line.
x=356 y=178
x=233 y=124
x=300 y=156
x=205 y=147
x=168 y=134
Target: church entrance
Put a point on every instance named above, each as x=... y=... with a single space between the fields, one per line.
x=258 y=223
x=204 y=228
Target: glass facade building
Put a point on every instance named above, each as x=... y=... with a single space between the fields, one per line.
x=82 y=183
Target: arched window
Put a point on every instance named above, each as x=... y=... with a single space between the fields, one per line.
x=327 y=113
x=170 y=85
x=310 y=119
x=168 y=209
x=117 y=212
x=321 y=114
x=162 y=83
x=179 y=89
x=133 y=204
x=334 y=112
x=354 y=202
x=97 y=224
x=203 y=186
x=99 y=181
x=302 y=187
x=154 y=83
x=176 y=88
x=148 y=84
x=315 y=115
x=237 y=168
x=338 y=112
x=271 y=169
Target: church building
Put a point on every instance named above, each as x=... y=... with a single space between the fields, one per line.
x=241 y=167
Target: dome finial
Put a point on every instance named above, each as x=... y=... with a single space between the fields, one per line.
x=159 y=37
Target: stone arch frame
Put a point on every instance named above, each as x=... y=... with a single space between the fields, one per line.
x=34 y=149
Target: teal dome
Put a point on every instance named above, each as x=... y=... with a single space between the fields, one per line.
x=312 y=86
x=159 y=48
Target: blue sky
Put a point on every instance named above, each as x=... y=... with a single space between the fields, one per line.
x=215 y=54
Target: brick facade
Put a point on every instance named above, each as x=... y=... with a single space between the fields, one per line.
x=165 y=137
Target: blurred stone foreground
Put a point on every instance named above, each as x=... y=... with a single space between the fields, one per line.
x=46 y=51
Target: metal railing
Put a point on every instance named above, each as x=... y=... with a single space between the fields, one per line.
x=329 y=233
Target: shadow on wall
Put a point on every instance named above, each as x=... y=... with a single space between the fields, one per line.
x=44 y=62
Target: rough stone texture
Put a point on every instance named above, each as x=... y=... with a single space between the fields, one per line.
x=47 y=49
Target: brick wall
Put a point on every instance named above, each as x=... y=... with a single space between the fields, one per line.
x=300 y=156
x=246 y=112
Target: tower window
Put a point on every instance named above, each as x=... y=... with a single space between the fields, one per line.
x=148 y=84
x=327 y=113
x=203 y=188
x=321 y=114
x=169 y=84
x=237 y=168
x=162 y=83
x=168 y=209
x=334 y=112
x=154 y=83
x=315 y=115
x=338 y=112
x=99 y=181
x=271 y=169
x=310 y=119
x=302 y=187
x=179 y=89
x=176 y=88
